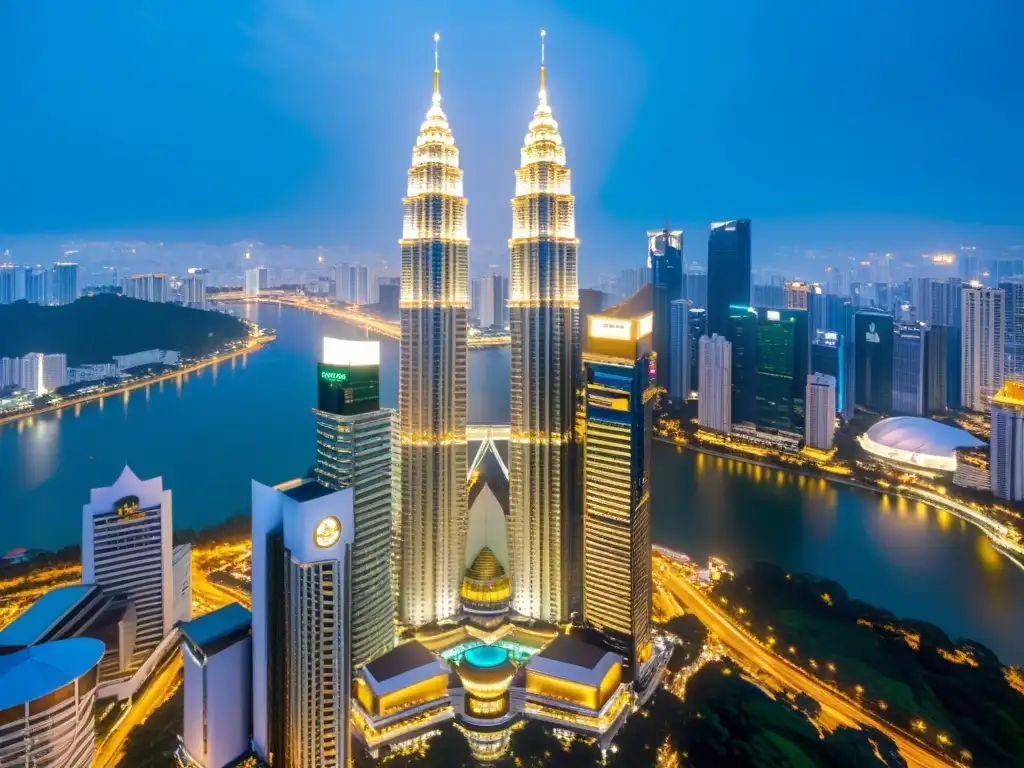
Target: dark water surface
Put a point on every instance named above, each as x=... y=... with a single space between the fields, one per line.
x=223 y=427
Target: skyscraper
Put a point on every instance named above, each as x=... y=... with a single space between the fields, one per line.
x=490 y=300
x=782 y=361
x=37 y=285
x=616 y=479
x=256 y=280
x=742 y=335
x=353 y=450
x=126 y=548
x=728 y=271
x=695 y=287
x=873 y=340
x=148 y=287
x=194 y=288
x=982 y=343
x=65 y=282
x=1007 y=447
x=768 y=296
x=820 y=419
x=665 y=256
x=714 y=405
x=433 y=373
x=698 y=322
x=797 y=294
x=908 y=370
x=12 y=283
x=1013 y=295
x=828 y=357
x=679 y=343
x=302 y=535
x=544 y=320
x=936 y=369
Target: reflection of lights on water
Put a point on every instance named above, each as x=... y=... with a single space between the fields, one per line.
x=945 y=520
x=988 y=555
x=232 y=363
x=101 y=403
x=147 y=393
x=126 y=398
x=78 y=410
x=38 y=450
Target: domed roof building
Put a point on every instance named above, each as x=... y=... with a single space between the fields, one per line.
x=917 y=442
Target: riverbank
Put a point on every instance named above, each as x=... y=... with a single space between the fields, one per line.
x=996 y=532
x=252 y=345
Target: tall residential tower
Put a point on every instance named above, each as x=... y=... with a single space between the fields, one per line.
x=433 y=373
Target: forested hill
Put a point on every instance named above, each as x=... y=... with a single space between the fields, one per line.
x=95 y=328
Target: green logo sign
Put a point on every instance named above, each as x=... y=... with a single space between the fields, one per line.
x=334 y=375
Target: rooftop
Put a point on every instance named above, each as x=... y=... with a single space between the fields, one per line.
x=41 y=616
x=921 y=436
x=404 y=658
x=33 y=672
x=570 y=650
x=307 y=491
x=1012 y=394
x=569 y=658
x=211 y=628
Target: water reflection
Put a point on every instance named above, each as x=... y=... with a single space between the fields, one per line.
x=37 y=450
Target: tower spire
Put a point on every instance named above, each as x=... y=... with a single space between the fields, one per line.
x=437 y=70
x=543 y=87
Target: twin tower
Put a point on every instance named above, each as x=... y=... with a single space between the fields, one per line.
x=544 y=521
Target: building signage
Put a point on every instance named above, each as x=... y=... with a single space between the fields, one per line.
x=872 y=334
x=328 y=375
x=773 y=314
x=327 y=532
x=127 y=509
x=606 y=328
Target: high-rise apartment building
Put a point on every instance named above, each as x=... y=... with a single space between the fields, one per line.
x=828 y=357
x=544 y=320
x=127 y=548
x=1013 y=297
x=714 y=405
x=12 y=283
x=820 y=418
x=65 y=282
x=1007 y=446
x=797 y=294
x=679 y=386
x=768 y=296
x=873 y=358
x=302 y=536
x=982 y=343
x=148 y=287
x=37 y=285
x=816 y=310
x=354 y=450
x=433 y=374
x=909 y=379
x=256 y=280
x=936 y=369
x=665 y=257
x=194 y=288
x=617 y=479
x=38 y=373
x=742 y=336
x=490 y=300
x=728 y=272
x=782 y=361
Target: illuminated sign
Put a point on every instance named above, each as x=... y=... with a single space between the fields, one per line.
x=327 y=532
x=645 y=324
x=831 y=336
x=346 y=352
x=328 y=375
x=126 y=506
x=872 y=334
x=607 y=328
x=773 y=314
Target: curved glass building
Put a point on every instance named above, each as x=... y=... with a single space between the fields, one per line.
x=433 y=372
x=544 y=321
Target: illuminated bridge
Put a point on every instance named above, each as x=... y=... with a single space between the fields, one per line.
x=487 y=435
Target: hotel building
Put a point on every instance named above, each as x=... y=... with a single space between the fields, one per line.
x=354 y=450
x=433 y=374
x=544 y=322
x=302 y=534
x=617 y=361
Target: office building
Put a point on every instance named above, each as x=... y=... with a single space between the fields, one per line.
x=302 y=536
x=728 y=272
x=65 y=282
x=616 y=479
x=816 y=309
x=679 y=386
x=714 y=405
x=665 y=257
x=1007 y=446
x=936 y=302
x=742 y=336
x=698 y=323
x=216 y=652
x=126 y=549
x=544 y=321
x=782 y=362
x=12 y=283
x=47 y=695
x=873 y=355
x=37 y=285
x=193 y=288
x=354 y=450
x=490 y=300
x=695 y=287
x=828 y=357
x=38 y=373
x=936 y=369
x=148 y=287
x=797 y=295
x=256 y=280
x=433 y=374
x=820 y=419
x=769 y=296
x=982 y=343
x=909 y=379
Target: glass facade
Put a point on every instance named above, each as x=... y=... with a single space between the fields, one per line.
x=698 y=325
x=348 y=390
x=828 y=356
x=873 y=342
x=908 y=370
x=783 y=347
x=728 y=272
x=665 y=254
x=742 y=334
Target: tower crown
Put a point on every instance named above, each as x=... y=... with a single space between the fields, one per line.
x=543 y=142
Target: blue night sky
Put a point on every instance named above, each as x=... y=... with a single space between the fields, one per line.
x=861 y=125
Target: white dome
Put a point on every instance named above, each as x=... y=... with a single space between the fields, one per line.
x=921 y=442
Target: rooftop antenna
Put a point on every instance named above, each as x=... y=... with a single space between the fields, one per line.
x=437 y=70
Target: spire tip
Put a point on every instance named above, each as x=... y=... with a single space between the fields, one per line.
x=437 y=70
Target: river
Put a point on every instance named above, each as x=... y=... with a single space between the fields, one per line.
x=210 y=434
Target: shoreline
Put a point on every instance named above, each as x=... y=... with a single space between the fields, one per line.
x=254 y=344
x=1006 y=549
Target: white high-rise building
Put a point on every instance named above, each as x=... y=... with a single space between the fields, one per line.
x=679 y=385
x=1006 y=460
x=148 y=287
x=194 y=288
x=982 y=345
x=256 y=280
x=820 y=412
x=490 y=300
x=127 y=547
x=39 y=373
x=65 y=282
x=714 y=406
x=302 y=534
x=12 y=283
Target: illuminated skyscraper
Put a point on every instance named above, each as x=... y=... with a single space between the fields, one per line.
x=982 y=344
x=728 y=272
x=433 y=373
x=544 y=319
x=665 y=256
x=616 y=478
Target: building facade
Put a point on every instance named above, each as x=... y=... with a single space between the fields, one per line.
x=490 y=300
x=1007 y=447
x=873 y=354
x=782 y=362
x=982 y=344
x=354 y=450
x=742 y=336
x=256 y=280
x=12 y=283
x=714 y=405
x=194 y=288
x=936 y=368
x=698 y=323
x=544 y=321
x=150 y=287
x=679 y=386
x=665 y=257
x=433 y=374
x=820 y=420
x=909 y=377
x=616 y=481
x=65 y=282
x=728 y=271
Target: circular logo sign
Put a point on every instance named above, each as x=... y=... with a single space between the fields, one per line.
x=327 y=532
